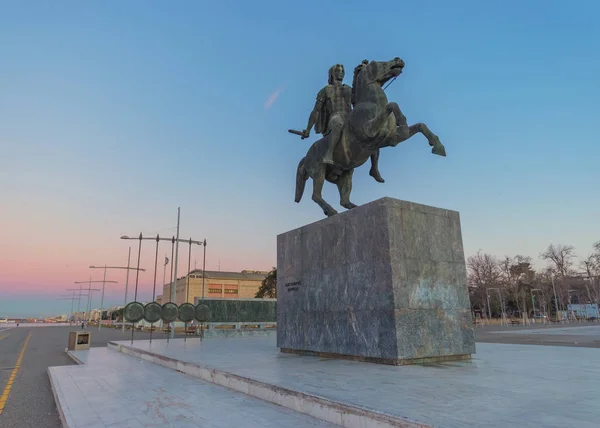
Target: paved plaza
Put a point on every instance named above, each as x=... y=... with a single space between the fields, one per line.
x=586 y=335
x=504 y=385
x=586 y=330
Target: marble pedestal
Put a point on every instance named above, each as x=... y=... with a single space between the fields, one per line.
x=385 y=282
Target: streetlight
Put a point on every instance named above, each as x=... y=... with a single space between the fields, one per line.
x=72 y=298
x=589 y=279
x=555 y=298
x=90 y=290
x=114 y=282
x=533 y=303
x=501 y=303
x=573 y=311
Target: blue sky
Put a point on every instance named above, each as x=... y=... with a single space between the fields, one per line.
x=113 y=114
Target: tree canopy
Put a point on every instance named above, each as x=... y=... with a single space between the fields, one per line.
x=268 y=287
x=513 y=282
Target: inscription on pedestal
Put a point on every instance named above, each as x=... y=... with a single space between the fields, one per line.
x=293 y=286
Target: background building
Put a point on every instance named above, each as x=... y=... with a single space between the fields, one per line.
x=233 y=285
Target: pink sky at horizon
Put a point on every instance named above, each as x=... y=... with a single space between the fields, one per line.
x=56 y=260
x=21 y=278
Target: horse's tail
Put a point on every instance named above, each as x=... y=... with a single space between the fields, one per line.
x=301 y=177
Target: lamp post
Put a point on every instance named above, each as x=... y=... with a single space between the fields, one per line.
x=105 y=267
x=587 y=277
x=73 y=297
x=501 y=303
x=90 y=290
x=572 y=311
x=555 y=298
x=533 y=302
x=174 y=287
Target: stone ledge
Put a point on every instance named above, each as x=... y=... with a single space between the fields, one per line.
x=345 y=415
x=388 y=361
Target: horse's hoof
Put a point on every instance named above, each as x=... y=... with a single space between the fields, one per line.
x=376 y=176
x=438 y=149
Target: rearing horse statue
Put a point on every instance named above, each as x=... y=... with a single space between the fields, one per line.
x=374 y=123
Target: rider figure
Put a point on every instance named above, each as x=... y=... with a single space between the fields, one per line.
x=334 y=103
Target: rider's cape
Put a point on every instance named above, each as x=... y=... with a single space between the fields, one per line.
x=324 y=113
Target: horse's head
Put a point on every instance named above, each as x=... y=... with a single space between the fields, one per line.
x=378 y=72
x=382 y=71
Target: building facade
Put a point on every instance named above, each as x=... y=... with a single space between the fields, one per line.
x=217 y=284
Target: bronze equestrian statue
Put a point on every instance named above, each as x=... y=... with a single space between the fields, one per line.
x=356 y=132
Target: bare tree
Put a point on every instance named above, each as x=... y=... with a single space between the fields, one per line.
x=543 y=282
x=518 y=278
x=483 y=273
x=561 y=257
x=597 y=251
x=483 y=270
x=591 y=265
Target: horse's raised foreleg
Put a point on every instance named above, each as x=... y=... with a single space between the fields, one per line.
x=434 y=141
x=344 y=184
x=404 y=132
x=318 y=181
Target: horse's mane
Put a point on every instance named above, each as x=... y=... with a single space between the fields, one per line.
x=357 y=70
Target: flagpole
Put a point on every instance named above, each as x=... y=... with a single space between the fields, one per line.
x=174 y=286
x=165 y=274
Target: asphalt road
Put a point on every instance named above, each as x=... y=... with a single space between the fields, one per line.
x=30 y=402
x=584 y=334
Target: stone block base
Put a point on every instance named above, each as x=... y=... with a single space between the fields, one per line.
x=385 y=282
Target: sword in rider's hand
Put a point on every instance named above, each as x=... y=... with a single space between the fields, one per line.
x=293 y=131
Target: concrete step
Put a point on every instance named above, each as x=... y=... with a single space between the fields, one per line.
x=110 y=389
x=199 y=359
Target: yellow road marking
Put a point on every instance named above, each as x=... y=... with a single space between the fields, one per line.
x=4 y=396
x=2 y=337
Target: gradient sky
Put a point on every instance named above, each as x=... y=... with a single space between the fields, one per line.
x=113 y=114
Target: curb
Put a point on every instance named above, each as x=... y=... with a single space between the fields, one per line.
x=61 y=415
x=345 y=415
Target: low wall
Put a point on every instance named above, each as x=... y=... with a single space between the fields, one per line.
x=241 y=310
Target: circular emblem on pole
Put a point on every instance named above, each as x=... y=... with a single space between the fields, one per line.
x=186 y=312
x=203 y=312
x=134 y=312
x=152 y=312
x=169 y=312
